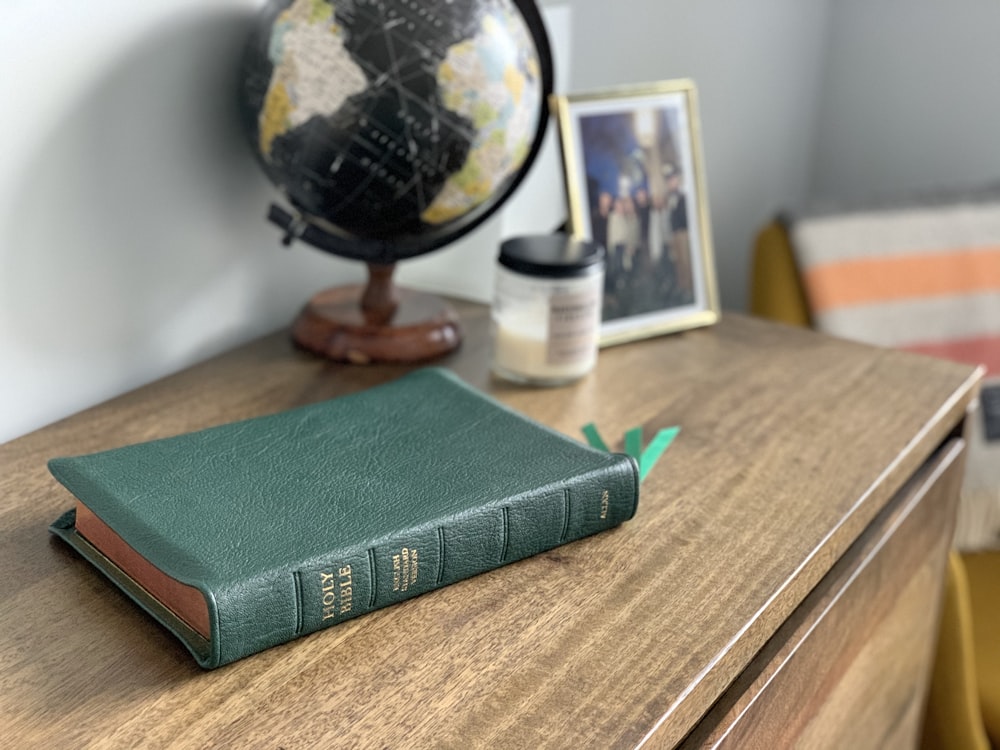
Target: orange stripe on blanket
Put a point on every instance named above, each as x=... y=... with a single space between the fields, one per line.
x=984 y=350
x=870 y=280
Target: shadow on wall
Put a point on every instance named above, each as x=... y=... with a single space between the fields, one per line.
x=138 y=231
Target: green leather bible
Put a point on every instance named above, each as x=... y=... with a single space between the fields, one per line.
x=247 y=535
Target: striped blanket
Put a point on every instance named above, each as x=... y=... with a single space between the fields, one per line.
x=925 y=278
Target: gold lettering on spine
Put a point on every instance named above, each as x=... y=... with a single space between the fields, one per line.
x=345 y=582
x=405 y=569
x=328 y=582
x=605 y=503
x=338 y=592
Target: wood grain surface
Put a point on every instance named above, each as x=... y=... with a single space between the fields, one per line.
x=791 y=444
x=850 y=667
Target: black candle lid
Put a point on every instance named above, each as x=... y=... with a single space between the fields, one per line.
x=552 y=255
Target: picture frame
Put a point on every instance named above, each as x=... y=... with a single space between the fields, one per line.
x=635 y=182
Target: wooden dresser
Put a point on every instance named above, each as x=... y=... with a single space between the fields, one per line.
x=779 y=585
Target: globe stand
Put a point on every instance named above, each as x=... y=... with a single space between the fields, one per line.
x=377 y=322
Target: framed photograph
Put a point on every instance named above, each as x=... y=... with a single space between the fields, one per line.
x=635 y=182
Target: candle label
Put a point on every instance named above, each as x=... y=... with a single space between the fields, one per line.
x=574 y=318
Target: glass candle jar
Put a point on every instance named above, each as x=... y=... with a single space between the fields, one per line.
x=546 y=312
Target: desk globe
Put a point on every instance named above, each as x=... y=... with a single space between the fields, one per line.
x=392 y=127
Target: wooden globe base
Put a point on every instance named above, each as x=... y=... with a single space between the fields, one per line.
x=377 y=323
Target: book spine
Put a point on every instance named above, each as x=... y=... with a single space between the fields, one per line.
x=347 y=584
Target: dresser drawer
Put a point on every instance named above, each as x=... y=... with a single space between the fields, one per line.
x=850 y=667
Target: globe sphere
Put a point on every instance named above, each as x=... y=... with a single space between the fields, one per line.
x=393 y=127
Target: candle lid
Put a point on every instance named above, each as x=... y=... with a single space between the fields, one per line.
x=552 y=255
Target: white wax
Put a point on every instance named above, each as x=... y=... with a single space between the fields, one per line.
x=545 y=330
x=525 y=352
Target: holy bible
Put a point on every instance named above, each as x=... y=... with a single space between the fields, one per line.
x=250 y=534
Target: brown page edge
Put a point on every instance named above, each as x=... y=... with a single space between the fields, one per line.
x=186 y=602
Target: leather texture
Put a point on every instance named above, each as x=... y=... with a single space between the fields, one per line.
x=292 y=522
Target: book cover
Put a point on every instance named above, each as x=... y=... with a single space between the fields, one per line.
x=249 y=534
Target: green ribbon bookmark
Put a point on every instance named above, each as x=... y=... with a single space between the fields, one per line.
x=594 y=438
x=633 y=445
x=655 y=449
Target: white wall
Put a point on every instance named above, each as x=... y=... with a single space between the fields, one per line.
x=132 y=231
x=132 y=237
x=911 y=98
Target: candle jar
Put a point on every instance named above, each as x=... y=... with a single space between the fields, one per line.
x=546 y=313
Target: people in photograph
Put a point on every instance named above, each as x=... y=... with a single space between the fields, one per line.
x=642 y=212
x=662 y=209
x=659 y=243
x=638 y=211
x=599 y=216
x=614 y=272
x=633 y=234
x=680 y=243
x=617 y=242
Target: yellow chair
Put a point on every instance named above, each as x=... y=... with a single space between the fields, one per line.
x=963 y=711
x=954 y=717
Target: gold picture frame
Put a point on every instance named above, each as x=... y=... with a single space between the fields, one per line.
x=635 y=182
